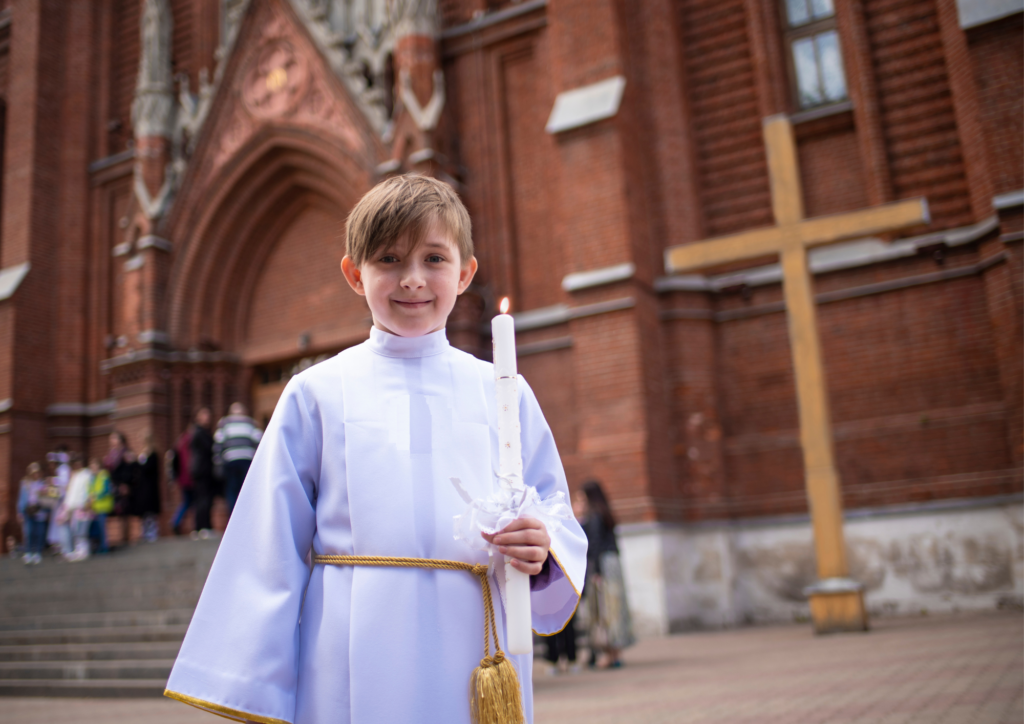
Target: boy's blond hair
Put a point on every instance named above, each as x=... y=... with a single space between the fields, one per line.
x=406 y=204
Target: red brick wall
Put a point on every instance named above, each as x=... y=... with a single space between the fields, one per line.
x=917 y=403
x=918 y=120
x=724 y=122
x=529 y=152
x=997 y=52
x=830 y=166
x=124 y=70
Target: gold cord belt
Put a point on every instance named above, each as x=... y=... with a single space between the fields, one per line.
x=494 y=686
x=478 y=570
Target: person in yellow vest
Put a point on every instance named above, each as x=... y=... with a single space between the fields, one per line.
x=101 y=494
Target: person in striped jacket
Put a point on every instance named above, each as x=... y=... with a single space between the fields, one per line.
x=234 y=444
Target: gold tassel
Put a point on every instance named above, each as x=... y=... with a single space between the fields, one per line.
x=494 y=696
x=494 y=692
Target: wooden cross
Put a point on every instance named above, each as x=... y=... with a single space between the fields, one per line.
x=836 y=602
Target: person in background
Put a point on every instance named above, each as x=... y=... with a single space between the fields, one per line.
x=563 y=644
x=62 y=513
x=118 y=463
x=178 y=462
x=604 y=593
x=234 y=444
x=77 y=509
x=146 y=489
x=101 y=499
x=34 y=514
x=59 y=474
x=200 y=468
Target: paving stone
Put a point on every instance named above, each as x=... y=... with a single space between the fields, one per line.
x=966 y=669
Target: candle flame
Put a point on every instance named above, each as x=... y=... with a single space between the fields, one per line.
x=504 y=305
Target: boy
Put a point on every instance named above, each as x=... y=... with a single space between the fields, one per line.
x=357 y=461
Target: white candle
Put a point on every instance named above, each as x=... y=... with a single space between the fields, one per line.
x=510 y=462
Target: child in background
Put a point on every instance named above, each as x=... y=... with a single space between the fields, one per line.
x=59 y=473
x=101 y=499
x=34 y=513
x=77 y=509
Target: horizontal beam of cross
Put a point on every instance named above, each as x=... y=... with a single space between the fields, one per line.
x=808 y=233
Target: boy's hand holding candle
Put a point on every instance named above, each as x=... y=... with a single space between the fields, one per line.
x=525 y=541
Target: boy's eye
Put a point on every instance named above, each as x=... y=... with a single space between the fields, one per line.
x=389 y=258
x=435 y=258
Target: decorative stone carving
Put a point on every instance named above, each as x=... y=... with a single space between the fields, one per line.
x=319 y=109
x=357 y=37
x=425 y=118
x=153 y=106
x=415 y=17
x=153 y=112
x=154 y=207
x=275 y=80
x=231 y=13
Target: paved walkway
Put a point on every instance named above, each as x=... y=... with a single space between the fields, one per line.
x=941 y=670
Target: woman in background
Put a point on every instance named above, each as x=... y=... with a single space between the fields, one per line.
x=119 y=464
x=146 y=489
x=604 y=606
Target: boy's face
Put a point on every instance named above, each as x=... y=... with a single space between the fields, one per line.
x=411 y=291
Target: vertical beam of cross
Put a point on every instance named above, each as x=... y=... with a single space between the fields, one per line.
x=822 y=479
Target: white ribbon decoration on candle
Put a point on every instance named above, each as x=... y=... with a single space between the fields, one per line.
x=510 y=499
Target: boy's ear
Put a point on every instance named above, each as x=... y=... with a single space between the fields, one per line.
x=353 y=276
x=466 y=274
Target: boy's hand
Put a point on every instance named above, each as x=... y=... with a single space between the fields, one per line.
x=526 y=541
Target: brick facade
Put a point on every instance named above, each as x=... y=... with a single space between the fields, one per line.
x=680 y=399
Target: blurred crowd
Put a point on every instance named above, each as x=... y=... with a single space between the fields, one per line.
x=66 y=506
x=205 y=464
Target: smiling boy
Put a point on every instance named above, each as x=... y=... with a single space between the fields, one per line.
x=356 y=461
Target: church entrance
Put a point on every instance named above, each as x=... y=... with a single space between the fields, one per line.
x=269 y=380
x=299 y=309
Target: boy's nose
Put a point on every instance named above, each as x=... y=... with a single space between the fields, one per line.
x=413 y=278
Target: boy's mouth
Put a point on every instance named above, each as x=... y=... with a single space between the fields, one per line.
x=412 y=303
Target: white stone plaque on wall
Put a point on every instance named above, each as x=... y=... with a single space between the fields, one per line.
x=589 y=104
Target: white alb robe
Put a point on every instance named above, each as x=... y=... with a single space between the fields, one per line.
x=357 y=460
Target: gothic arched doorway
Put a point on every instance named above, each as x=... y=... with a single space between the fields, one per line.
x=300 y=310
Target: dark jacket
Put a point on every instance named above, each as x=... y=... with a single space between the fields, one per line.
x=146 y=485
x=600 y=539
x=200 y=456
x=121 y=477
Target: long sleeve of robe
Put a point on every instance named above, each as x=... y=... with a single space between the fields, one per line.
x=356 y=460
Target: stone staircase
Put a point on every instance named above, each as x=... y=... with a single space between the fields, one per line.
x=107 y=626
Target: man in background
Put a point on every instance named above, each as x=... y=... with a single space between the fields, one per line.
x=234 y=445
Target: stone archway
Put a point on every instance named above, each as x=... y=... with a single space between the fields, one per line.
x=257 y=283
x=231 y=232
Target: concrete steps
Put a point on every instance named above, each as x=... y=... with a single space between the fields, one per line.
x=91 y=651
x=101 y=688
x=110 y=626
